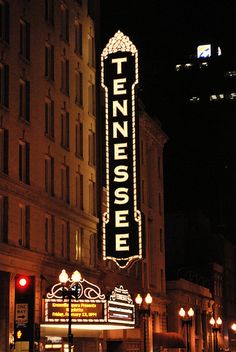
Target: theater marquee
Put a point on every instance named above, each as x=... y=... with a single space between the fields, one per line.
x=91 y=310
x=122 y=223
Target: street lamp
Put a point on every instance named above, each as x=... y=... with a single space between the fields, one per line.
x=216 y=326
x=145 y=313
x=70 y=290
x=186 y=318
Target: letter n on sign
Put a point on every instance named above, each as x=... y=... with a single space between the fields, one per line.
x=122 y=221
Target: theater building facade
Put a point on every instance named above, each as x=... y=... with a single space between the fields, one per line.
x=50 y=191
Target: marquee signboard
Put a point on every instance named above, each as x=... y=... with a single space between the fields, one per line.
x=122 y=223
x=82 y=310
x=121 y=307
x=90 y=307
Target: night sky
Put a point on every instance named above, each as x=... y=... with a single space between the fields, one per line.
x=199 y=158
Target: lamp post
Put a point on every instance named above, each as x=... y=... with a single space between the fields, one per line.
x=70 y=290
x=216 y=326
x=186 y=318
x=145 y=313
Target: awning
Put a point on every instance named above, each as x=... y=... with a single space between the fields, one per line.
x=168 y=340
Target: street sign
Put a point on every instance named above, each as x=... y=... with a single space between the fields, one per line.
x=22 y=310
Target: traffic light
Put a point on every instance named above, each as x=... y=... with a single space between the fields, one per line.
x=24 y=308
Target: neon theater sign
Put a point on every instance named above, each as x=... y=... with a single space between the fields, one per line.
x=122 y=222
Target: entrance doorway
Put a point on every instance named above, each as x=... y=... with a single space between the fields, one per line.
x=114 y=346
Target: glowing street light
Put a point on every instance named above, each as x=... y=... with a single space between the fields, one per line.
x=70 y=289
x=186 y=318
x=216 y=326
x=145 y=313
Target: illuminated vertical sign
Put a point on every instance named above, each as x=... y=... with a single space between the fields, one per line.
x=122 y=223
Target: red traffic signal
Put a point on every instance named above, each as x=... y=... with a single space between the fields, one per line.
x=22 y=282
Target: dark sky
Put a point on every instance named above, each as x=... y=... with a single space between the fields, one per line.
x=199 y=165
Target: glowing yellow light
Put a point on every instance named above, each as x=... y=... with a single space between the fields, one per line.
x=18 y=334
x=212 y=321
x=63 y=277
x=182 y=312
x=76 y=276
x=219 y=321
x=233 y=327
x=138 y=299
x=190 y=312
x=148 y=298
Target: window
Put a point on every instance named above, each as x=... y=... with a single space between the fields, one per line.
x=24 y=239
x=4 y=21
x=64 y=23
x=65 y=76
x=24 y=162
x=49 y=62
x=65 y=240
x=92 y=148
x=79 y=234
x=4 y=150
x=92 y=99
x=49 y=118
x=79 y=88
x=49 y=175
x=92 y=245
x=24 y=101
x=3 y=219
x=81 y=192
x=79 y=139
x=49 y=234
x=25 y=39
x=49 y=11
x=65 y=183
x=78 y=38
x=65 y=130
x=92 y=198
x=91 y=53
x=4 y=85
